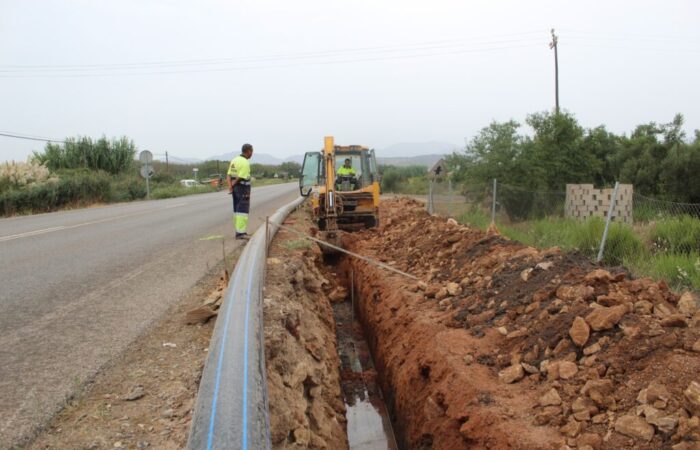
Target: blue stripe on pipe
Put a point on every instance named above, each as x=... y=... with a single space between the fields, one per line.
x=215 y=397
x=245 y=356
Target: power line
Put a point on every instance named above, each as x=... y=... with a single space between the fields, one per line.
x=224 y=65
x=281 y=56
x=257 y=67
x=31 y=138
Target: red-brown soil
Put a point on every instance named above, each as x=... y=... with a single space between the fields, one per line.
x=303 y=368
x=468 y=353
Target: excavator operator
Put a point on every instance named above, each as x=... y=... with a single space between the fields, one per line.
x=347 y=174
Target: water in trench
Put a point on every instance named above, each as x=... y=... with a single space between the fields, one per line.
x=369 y=425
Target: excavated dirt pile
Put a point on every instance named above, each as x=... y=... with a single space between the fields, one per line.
x=505 y=346
x=303 y=368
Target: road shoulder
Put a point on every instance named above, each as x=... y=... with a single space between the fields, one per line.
x=144 y=398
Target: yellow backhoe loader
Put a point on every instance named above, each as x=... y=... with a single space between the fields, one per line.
x=343 y=182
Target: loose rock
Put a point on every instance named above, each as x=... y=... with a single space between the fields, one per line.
x=692 y=398
x=687 y=304
x=580 y=331
x=199 y=315
x=453 y=289
x=567 y=370
x=511 y=374
x=550 y=398
x=604 y=318
x=674 y=320
x=136 y=393
x=635 y=427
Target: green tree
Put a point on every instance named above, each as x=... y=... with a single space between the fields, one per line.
x=292 y=169
x=495 y=152
x=115 y=156
x=603 y=146
x=556 y=154
x=643 y=155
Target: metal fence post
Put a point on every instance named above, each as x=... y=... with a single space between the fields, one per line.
x=613 y=200
x=493 y=202
x=431 y=208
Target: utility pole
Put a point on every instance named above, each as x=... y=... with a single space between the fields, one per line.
x=553 y=45
x=167 y=167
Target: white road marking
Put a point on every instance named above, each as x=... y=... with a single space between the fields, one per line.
x=29 y=233
x=67 y=227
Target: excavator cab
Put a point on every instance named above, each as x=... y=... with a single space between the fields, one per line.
x=342 y=197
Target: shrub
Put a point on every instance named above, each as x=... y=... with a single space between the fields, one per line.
x=394 y=178
x=677 y=235
x=72 y=187
x=475 y=218
x=115 y=156
x=15 y=175
x=621 y=243
x=163 y=178
x=127 y=188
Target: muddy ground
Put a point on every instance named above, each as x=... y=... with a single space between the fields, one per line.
x=498 y=345
x=144 y=399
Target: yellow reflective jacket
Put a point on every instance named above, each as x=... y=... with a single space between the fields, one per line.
x=346 y=171
x=239 y=167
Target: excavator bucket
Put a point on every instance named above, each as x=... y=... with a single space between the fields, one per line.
x=333 y=238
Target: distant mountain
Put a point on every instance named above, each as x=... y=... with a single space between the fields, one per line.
x=420 y=160
x=408 y=149
x=258 y=158
x=402 y=154
x=176 y=160
x=295 y=158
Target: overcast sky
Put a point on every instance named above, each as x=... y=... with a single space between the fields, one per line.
x=201 y=78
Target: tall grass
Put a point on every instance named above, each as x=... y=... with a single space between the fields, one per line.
x=665 y=248
x=679 y=234
x=475 y=218
x=680 y=270
x=113 y=156
x=568 y=234
x=81 y=187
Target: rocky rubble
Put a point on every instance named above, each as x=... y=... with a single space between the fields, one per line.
x=303 y=368
x=612 y=361
x=210 y=306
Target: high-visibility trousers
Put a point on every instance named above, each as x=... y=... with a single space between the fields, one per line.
x=241 y=207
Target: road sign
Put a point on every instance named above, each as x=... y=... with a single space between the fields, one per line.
x=146 y=157
x=146 y=171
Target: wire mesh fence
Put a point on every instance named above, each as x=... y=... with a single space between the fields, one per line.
x=649 y=236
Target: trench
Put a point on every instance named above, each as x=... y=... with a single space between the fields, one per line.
x=369 y=422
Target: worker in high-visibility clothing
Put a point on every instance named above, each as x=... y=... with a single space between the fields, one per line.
x=238 y=178
x=346 y=174
x=346 y=169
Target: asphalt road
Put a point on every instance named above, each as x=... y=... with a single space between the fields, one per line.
x=76 y=287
